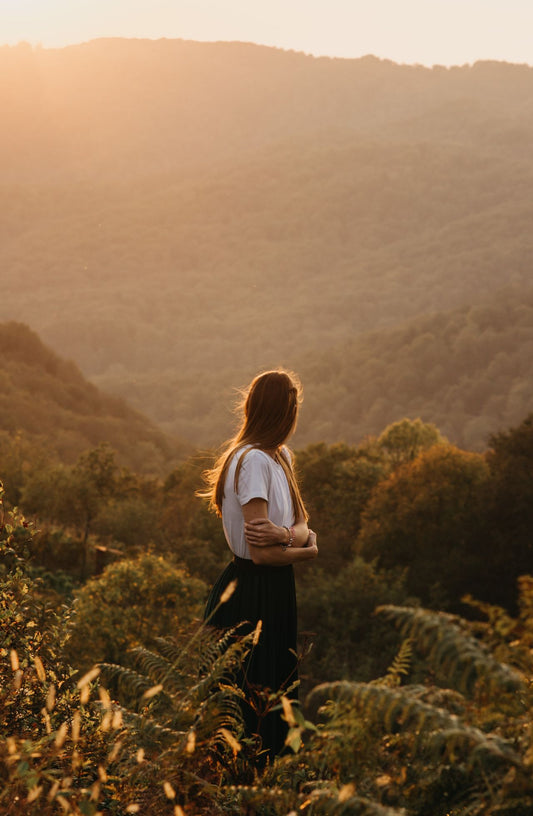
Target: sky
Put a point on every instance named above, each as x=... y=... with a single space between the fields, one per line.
x=429 y=32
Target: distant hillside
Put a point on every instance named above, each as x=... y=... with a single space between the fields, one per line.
x=137 y=107
x=291 y=251
x=48 y=399
x=178 y=215
x=469 y=371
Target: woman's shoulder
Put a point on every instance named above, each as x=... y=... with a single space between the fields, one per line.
x=250 y=455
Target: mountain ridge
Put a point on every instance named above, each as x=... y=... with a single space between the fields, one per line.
x=246 y=95
x=175 y=212
x=46 y=398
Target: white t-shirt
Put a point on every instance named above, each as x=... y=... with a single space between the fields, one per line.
x=260 y=477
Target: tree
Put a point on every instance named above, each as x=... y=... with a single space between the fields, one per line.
x=509 y=506
x=75 y=495
x=336 y=482
x=20 y=458
x=336 y=611
x=188 y=530
x=402 y=441
x=131 y=603
x=427 y=516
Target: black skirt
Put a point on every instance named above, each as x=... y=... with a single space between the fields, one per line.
x=267 y=594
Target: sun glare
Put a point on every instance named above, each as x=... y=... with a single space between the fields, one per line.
x=424 y=31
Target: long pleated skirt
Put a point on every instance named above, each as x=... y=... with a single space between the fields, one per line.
x=267 y=594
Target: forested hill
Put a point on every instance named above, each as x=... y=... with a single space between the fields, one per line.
x=46 y=398
x=179 y=215
x=468 y=371
x=141 y=106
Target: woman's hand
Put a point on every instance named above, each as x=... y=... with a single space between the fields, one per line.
x=312 y=545
x=261 y=532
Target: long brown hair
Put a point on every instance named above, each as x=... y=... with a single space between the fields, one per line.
x=270 y=409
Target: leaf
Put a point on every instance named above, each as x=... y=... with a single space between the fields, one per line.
x=293 y=739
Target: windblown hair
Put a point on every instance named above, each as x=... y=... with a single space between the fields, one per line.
x=270 y=409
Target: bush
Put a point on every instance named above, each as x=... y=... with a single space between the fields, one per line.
x=428 y=517
x=131 y=602
x=348 y=641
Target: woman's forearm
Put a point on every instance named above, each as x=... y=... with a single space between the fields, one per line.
x=277 y=556
x=301 y=534
x=261 y=532
x=280 y=555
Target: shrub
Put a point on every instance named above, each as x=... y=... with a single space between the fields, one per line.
x=133 y=601
x=348 y=641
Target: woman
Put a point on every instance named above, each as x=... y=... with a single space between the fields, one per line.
x=253 y=488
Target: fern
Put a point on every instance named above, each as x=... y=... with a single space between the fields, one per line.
x=157 y=668
x=394 y=710
x=131 y=684
x=499 y=620
x=454 y=653
x=335 y=805
x=331 y=801
x=186 y=701
x=399 y=667
x=153 y=733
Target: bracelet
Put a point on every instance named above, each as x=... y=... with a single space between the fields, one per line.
x=292 y=536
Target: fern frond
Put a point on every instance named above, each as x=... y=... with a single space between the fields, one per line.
x=159 y=670
x=333 y=805
x=452 y=652
x=150 y=663
x=399 y=667
x=151 y=731
x=129 y=681
x=226 y=664
x=330 y=802
x=205 y=648
x=397 y=710
x=220 y=710
x=499 y=620
x=169 y=649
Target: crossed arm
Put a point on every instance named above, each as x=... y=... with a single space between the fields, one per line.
x=264 y=537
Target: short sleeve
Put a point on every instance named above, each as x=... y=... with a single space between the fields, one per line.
x=254 y=477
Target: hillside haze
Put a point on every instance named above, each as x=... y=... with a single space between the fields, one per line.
x=45 y=399
x=177 y=215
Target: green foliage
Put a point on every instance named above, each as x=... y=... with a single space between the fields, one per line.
x=444 y=729
x=457 y=658
x=428 y=514
x=336 y=614
x=89 y=506
x=188 y=529
x=20 y=455
x=404 y=440
x=337 y=482
x=430 y=750
x=54 y=752
x=23 y=610
x=132 y=602
x=508 y=503
x=62 y=757
x=174 y=737
x=49 y=409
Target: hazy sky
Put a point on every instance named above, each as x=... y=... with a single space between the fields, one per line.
x=426 y=31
